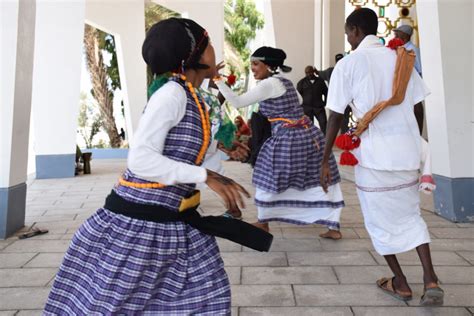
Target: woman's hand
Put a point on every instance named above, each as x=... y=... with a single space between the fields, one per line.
x=325 y=175
x=229 y=190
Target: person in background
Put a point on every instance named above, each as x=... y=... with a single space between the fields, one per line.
x=326 y=74
x=314 y=91
x=404 y=33
x=261 y=131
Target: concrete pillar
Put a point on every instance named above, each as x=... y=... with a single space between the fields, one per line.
x=208 y=13
x=448 y=71
x=125 y=20
x=17 y=20
x=56 y=85
x=329 y=37
x=294 y=26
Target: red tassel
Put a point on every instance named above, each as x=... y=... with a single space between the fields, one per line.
x=347 y=142
x=348 y=159
x=344 y=142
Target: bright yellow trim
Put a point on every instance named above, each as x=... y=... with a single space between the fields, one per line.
x=190 y=202
x=206 y=129
x=281 y=119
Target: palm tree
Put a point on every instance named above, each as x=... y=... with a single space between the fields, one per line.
x=101 y=90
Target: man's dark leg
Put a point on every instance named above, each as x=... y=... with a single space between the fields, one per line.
x=309 y=113
x=420 y=115
x=400 y=281
x=429 y=276
x=322 y=119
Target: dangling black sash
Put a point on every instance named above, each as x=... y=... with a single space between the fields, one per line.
x=235 y=230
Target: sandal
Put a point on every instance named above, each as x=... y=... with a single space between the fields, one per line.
x=228 y=214
x=432 y=296
x=386 y=285
x=331 y=234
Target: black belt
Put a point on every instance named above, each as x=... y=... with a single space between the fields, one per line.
x=235 y=230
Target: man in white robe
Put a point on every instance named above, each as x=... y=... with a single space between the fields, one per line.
x=389 y=155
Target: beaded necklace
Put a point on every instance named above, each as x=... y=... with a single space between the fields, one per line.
x=206 y=128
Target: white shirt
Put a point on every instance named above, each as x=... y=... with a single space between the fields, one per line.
x=268 y=88
x=165 y=109
x=364 y=78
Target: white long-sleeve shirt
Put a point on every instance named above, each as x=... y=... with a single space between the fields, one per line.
x=165 y=109
x=267 y=88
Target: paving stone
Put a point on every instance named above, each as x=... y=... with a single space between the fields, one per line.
x=346 y=244
x=36 y=312
x=23 y=298
x=262 y=295
x=313 y=232
x=5 y=243
x=362 y=232
x=414 y=274
x=64 y=212
x=293 y=245
x=439 y=258
x=342 y=295
x=234 y=274
x=234 y=311
x=288 y=275
x=465 y=225
x=25 y=277
x=471 y=310
x=410 y=311
x=454 y=295
x=330 y=258
x=458 y=233
x=300 y=311
x=14 y=260
x=48 y=236
x=7 y=313
x=25 y=246
x=467 y=255
x=46 y=260
x=227 y=245
x=254 y=259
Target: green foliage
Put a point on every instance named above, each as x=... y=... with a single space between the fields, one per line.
x=242 y=20
x=107 y=44
x=89 y=123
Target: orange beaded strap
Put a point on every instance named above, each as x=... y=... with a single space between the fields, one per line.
x=294 y=122
x=206 y=129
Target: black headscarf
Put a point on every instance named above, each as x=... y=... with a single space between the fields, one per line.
x=174 y=44
x=273 y=57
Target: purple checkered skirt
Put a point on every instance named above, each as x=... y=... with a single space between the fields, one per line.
x=292 y=156
x=119 y=265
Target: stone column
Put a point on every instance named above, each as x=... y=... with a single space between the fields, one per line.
x=56 y=85
x=17 y=36
x=446 y=29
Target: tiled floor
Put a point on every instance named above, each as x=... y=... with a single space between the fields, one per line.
x=302 y=275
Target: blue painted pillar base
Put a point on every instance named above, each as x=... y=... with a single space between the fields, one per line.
x=55 y=166
x=454 y=198
x=12 y=209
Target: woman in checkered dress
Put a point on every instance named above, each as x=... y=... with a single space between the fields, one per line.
x=122 y=265
x=286 y=174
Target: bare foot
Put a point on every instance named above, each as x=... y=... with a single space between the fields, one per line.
x=332 y=234
x=263 y=226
